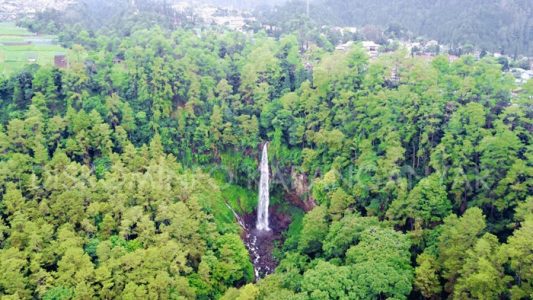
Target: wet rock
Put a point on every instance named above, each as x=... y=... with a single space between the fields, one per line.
x=300 y=194
x=260 y=243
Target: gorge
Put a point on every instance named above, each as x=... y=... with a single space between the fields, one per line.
x=263 y=230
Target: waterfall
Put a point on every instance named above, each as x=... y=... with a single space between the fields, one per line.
x=264 y=197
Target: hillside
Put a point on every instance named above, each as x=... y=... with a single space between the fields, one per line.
x=177 y=160
x=493 y=25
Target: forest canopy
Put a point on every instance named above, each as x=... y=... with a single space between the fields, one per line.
x=117 y=173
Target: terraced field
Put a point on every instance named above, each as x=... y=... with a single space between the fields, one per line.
x=19 y=47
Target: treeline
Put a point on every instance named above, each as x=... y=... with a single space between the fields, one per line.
x=493 y=25
x=421 y=171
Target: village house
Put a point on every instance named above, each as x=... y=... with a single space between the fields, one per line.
x=60 y=61
x=521 y=76
x=371 y=47
x=344 y=47
x=343 y=30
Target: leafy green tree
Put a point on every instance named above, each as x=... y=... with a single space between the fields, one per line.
x=248 y=292
x=327 y=281
x=57 y=293
x=427 y=275
x=314 y=231
x=457 y=157
x=346 y=232
x=458 y=235
x=482 y=275
x=426 y=204
x=503 y=173
x=381 y=264
x=13 y=280
x=75 y=267
x=518 y=251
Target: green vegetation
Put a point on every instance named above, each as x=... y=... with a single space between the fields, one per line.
x=11 y=29
x=115 y=173
x=491 y=25
x=15 y=53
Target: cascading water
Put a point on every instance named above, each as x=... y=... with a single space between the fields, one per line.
x=264 y=197
x=261 y=240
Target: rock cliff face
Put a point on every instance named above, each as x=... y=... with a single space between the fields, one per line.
x=300 y=194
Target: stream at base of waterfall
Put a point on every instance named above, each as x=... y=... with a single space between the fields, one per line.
x=261 y=243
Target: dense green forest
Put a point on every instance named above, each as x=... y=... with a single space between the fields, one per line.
x=491 y=25
x=115 y=172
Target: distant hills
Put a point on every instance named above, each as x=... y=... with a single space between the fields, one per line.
x=494 y=25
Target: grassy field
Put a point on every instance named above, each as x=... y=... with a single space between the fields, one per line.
x=14 y=54
x=11 y=29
